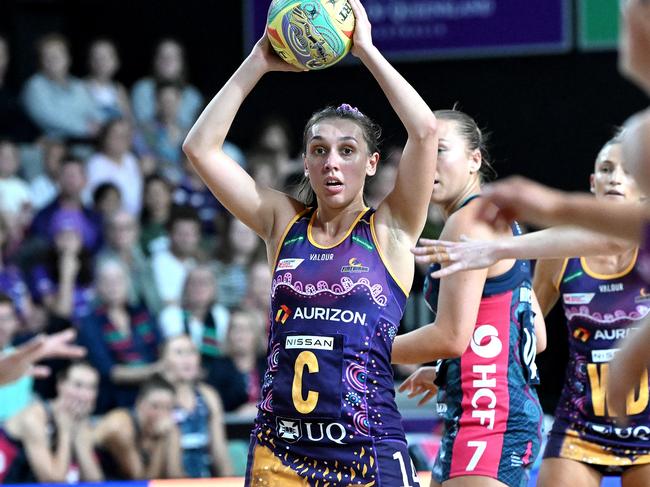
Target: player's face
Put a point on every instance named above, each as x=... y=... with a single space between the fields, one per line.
x=181 y=359
x=457 y=166
x=337 y=162
x=636 y=149
x=610 y=180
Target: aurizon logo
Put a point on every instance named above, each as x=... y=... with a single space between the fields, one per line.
x=283 y=314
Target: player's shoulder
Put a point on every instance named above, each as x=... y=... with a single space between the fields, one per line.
x=466 y=221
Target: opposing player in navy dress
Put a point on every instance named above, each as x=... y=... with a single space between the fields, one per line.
x=341 y=276
x=484 y=335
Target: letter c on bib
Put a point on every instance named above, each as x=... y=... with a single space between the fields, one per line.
x=309 y=360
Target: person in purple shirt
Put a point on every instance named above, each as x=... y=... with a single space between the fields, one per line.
x=62 y=281
x=12 y=282
x=72 y=180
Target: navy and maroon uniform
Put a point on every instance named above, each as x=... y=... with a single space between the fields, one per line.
x=487 y=396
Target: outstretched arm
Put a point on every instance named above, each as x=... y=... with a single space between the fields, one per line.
x=634 y=60
x=22 y=361
x=551 y=243
x=517 y=198
x=458 y=304
x=406 y=206
x=254 y=205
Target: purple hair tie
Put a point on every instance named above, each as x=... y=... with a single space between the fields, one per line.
x=345 y=108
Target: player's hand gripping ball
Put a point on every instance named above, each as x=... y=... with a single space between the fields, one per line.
x=310 y=34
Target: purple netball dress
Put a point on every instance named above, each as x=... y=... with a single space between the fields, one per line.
x=600 y=310
x=327 y=414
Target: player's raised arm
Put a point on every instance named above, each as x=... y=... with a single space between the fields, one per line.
x=256 y=206
x=406 y=206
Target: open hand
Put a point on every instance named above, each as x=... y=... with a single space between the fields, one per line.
x=517 y=198
x=264 y=54
x=459 y=256
x=362 y=38
x=421 y=381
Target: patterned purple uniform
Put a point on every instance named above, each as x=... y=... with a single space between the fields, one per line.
x=327 y=414
x=600 y=310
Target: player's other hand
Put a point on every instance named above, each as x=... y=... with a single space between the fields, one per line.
x=265 y=57
x=517 y=198
x=421 y=382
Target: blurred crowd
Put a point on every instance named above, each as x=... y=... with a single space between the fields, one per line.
x=105 y=227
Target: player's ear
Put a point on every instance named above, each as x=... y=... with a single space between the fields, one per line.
x=371 y=166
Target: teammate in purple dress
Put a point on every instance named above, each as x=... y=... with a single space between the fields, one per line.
x=341 y=275
x=603 y=300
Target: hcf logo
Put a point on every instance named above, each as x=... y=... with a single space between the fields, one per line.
x=283 y=314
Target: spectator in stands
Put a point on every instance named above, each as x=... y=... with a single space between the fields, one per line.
x=199 y=316
x=57 y=102
x=156 y=210
x=122 y=340
x=15 y=198
x=115 y=163
x=44 y=187
x=12 y=282
x=240 y=247
x=122 y=237
x=143 y=442
x=170 y=266
x=52 y=441
x=109 y=95
x=168 y=66
x=71 y=180
x=162 y=137
x=62 y=281
x=17 y=395
x=107 y=201
x=13 y=121
x=257 y=298
x=198 y=411
x=237 y=375
x=272 y=153
x=192 y=191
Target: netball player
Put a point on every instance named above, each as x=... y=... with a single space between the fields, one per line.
x=603 y=299
x=341 y=275
x=528 y=201
x=485 y=330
